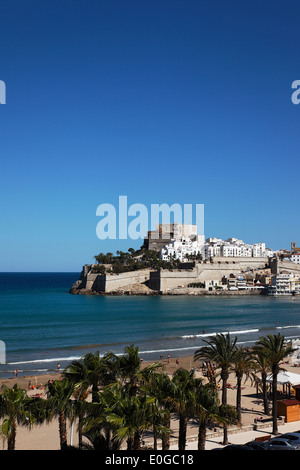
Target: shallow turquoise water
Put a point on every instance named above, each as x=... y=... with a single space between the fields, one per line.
x=42 y=324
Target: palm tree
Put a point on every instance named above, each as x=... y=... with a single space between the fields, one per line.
x=261 y=365
x=206 y=407
x=158 y=387
x=183 y=401
x=15 y=405
x=220 y=349
x=96 y=425
x=130 y=371
x=130 y=367
x=157 y=418
x=59 y=401
x=275 y=350
x=85 y=372
x=228 y=415
x=82 y=374
x=112 y=418
x=242 y=364
x=109 y=369
x=162 y=388
x=131 y=418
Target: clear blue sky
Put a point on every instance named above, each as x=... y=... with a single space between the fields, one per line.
x=163 y=101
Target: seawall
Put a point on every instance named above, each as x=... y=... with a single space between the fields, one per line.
x=90 y=282
x=151 y=282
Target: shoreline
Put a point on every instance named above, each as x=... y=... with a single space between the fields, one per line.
x=169 y=366
x=175 y=292
x=184 y=354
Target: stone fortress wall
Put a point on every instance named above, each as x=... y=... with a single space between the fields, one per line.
x=90 y=281
x=164 y=280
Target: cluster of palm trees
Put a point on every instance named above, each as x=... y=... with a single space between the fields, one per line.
x=263 y=359
x=113 y=402
x=132 y=260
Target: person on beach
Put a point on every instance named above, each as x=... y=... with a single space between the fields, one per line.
x=58 y=366
x=169 y=358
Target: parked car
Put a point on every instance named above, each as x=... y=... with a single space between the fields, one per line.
x=256 y=445
x=279 y=443
x=236 y=447
x=291 y=436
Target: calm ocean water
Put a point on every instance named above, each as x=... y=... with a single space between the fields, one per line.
x=42 y=324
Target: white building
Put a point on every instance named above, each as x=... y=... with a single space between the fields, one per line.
x=285 y=284
x=212 y=250
x=214 y=241
x=236 y=250
x=182 y=249
x=259 y=250
x=241 y=283
x=233 y=247
x=270 y=253
x=234 y=241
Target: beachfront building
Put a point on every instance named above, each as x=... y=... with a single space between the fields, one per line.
x=285 y=284
x=280 y=285
x=241 y=283
x=215 y=285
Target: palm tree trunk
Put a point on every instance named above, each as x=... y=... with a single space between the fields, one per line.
x=274 y=395
x=182 y=432
x=130 y=443
x=265 y=393
x=166 y=436
x=224 y=376
x=108 y=440
x=239 y=397
x=225 y=434
x=154 y=438
x=95 y=397
x=80 y=430
x=137 y=441
x=115 y=444
x=201 y=435
x=11 y=441
x=62 y=430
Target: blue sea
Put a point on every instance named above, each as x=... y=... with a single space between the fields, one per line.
x=42 y=324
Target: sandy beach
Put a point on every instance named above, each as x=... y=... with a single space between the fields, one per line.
x=46 y=436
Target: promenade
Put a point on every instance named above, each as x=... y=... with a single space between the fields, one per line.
x=241 y=437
